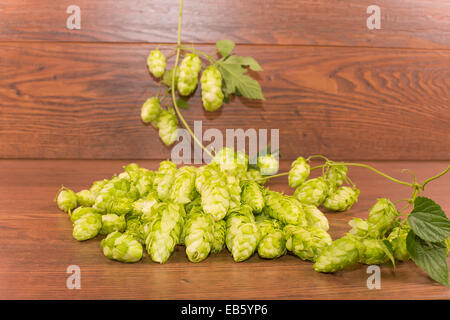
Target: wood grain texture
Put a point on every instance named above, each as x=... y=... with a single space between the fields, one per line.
x=61 y=100
x=405 y=23
x=36 y=246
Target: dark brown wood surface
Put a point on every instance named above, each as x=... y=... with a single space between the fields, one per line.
x=81 y=100
x=36 y=246
x=404 y=23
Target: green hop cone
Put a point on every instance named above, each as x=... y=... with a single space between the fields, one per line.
x=150 y=111
x=284 y=208
x=168 y=126
x=79 y=212
x=273 y=243
x=253 y=195
x=112 y=222
x=164 y=179
x=87 y=227
x=342 y=199
x=342 y=253
x=218 y=243
x=373 y=252
x=315 y=217
x=253 y=174
x=97 y=186
x=156 y=63
x=268 y=165
x=307 y=243
x=143 y=207
x=234 y=190
x=336 y=175
x=230 y=162
x=299 y=172
x=122 y=247
x=216 y=200
x=313 y=191
x=382 y=218
x=183 y=185
x=121 y=206
x=242 y=235
x=198 y=235
x=212 y=95
x=134 y=229
x=163 y=232
x=206 y=175
x=359 y=226
x=397 y=238
x=66 y=200
x=85 y=198
x=188 y=74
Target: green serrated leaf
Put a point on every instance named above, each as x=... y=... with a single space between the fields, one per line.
x=428 y=221
x=230 y=74
x=183 y=104
x=245 y=61
x=225 y=47
x=249 y=88
x=431 y=257
x=387 y=247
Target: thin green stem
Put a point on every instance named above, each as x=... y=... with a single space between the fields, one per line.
x=174 y=99
x=435 y=177
x=317 y=156
x=201 y=53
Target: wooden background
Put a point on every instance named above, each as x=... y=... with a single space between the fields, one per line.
x=71 y=97
x=332 y=86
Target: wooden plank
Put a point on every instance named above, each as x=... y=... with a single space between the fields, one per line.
x=36 y=246
x=404 y=23
x=61 y=100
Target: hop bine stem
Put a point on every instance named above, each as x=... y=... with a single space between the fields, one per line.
x=174 y=99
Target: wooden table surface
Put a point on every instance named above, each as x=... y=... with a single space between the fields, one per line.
x=36 y=246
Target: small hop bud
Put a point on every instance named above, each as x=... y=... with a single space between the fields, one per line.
x=336 y=175
x=299 y=172
x=342 y=199
x=168 y=126
x=122 y=247
x=252 y=194
x=212 y=95
x=397 y=238
x=66 y=200
x=313 y=191
x=382 y=218
x=156 y=63
x=268 y=165
x=273 y=243
x=150 y=111
x=188 y=74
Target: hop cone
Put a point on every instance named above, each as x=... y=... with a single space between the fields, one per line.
x=87 y=227
x=79 y=212
x=230 y=162
x=315 y=217
x=216 y=200
x=272 y=244
x=284 y=208
x=234 y=190
x=299 y=172
x=242 y=234
x=85 y=198
x=122 y=247
x=397 y=238
x=164 y=179
x=359 y=226
x=253 y=195
x=340 y=254
x=199 y=235
x=382 y=218
x=212 y=95
x=134 y=229
x=306 y=242
x=313 y=191
x=168 y=126
x=268 y=165
x=342 y=199
x=163 y=232
x=188 y=74
x=219 y=236
x=150 y=111
x=183 y=185
x=112 y=222
x=253 y=174
x=373 y=252
x=66 y=200
x=156 y=63
x=336 y=175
